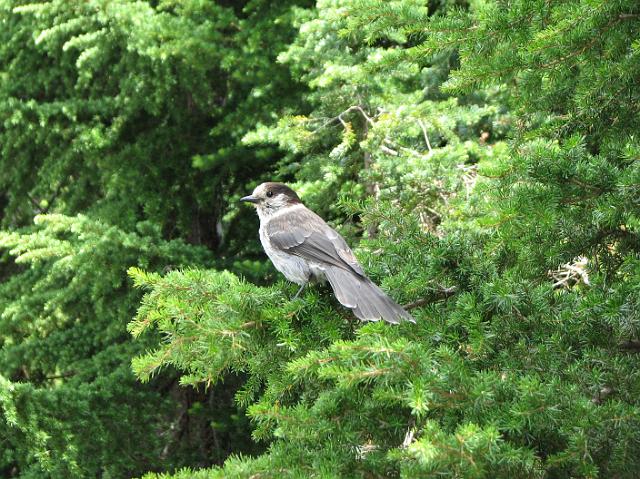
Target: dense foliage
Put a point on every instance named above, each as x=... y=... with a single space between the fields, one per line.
x=129 y=114
x=482 y=155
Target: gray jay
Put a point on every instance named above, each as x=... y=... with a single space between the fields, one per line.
x=304 y=248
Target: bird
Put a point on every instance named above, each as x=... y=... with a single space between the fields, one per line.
x=305 y=249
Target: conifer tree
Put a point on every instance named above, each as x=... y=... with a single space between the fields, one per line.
x=529 y=369
x=129 y=113
x=486 y=153
x=375 y=132
x=133 y=111
x=70 y=406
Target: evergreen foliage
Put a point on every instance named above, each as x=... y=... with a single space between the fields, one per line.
x=70 y=404
x=113 y=103
x=128 y=113
x=390 y=134
x=481 y=156
x=524 y=372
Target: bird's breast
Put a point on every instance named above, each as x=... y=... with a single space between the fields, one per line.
x=294 y=268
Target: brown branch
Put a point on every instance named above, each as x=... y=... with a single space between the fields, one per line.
x=632 y=345
x=36 y=204
x=68 y=374
x=587 y=186
x=588 y=45
x=438 y=295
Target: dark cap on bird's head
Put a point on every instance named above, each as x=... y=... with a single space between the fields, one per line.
x=272 y=195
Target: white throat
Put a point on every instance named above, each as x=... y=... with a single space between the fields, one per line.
x=265 y=214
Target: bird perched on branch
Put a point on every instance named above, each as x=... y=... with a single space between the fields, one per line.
x=304 y=248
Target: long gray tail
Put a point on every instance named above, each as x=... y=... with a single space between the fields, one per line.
x=368 y=301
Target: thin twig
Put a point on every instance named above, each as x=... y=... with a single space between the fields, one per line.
x=49 y=202
x=442 y=293
x=426 y=137
x=68 y=374
x=341 y=120
x=34 y=203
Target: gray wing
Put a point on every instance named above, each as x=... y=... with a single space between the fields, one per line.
x=305 y=234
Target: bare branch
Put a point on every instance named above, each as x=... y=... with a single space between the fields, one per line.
x=389 y=151
x=631 y=345
x=570 y=274
x=68 y=374
x=361 y=110
x=442 y=293
x=426 y=136
x=410 y=434
x=339 y=118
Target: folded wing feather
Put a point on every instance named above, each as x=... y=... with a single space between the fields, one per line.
x=306 y=235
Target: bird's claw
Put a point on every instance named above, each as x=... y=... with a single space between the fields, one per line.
x=295 y=296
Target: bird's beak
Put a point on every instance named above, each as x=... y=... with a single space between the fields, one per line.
x=249 y=199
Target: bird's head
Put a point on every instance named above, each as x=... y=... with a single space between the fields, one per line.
x=268 y=198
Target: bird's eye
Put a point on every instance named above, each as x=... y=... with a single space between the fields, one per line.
x=269 y=194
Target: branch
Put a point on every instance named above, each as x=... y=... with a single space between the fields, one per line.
x=341 y=120
x=442 y=293
x=602 y=395
x=632 y=345
x=586 y=186
x=426 y=137
x=68 y=374
x=389 y=151
x=52 y=199
x=595 y=37
x=410 y=434
x=590 y=44
x=357 y=108
x=36 y=204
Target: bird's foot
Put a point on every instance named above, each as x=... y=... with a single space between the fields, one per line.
x=298 y=293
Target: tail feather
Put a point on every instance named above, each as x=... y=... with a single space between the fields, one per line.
x=367 y=300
